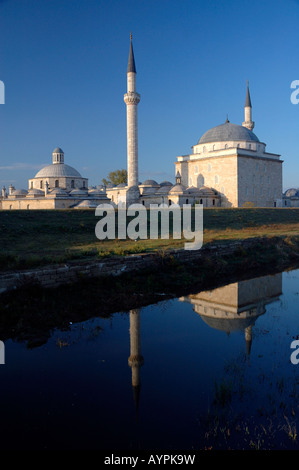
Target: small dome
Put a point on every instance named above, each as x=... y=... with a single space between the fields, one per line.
x=58 y=150
x=121 y=185
x=193 y=190
x=166 y=183
x=35 y=191
x=204 y=190
x=228 y=131
x=58 y=192
x=150 y=183
x=292 y=192
x=177 y=189
x=164 y=189
x=78 y=192
x=85 y=205
x=20 y=192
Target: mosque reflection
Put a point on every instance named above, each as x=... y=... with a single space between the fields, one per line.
x=234 y=307
x=237 y=306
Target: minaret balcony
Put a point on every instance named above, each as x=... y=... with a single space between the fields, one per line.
x=132 y=97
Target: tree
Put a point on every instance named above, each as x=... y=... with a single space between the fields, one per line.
x=116 y=177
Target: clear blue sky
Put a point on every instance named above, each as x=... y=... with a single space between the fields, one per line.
x=64 y=63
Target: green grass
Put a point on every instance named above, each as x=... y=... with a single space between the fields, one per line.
x=35 y=238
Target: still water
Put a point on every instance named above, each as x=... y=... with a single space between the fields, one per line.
x=209 y=370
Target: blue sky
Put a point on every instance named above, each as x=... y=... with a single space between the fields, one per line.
x=64 y=63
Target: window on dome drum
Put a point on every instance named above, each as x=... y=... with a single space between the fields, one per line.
x=213 y=202
x=249 y=146
x=72 y=184
x=31 y=187
x=200 y=202
x=56 y=184
x=83 y=184
x=41 y=184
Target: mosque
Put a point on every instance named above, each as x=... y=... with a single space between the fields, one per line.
x=228 y=167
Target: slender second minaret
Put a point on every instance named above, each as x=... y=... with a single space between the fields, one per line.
x=132 y=99
x=248 y=111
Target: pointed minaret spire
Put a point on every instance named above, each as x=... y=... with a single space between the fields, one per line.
x=131 y=61
x=248 y=100
x=248 y=111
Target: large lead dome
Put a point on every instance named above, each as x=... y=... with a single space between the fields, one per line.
x=228 y=131
x=56 y=171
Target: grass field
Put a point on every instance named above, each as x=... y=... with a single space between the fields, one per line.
x=35 y=238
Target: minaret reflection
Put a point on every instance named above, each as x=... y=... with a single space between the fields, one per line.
x=237 y=306
x=135 y=360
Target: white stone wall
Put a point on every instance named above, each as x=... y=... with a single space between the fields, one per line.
x=65 y=183
x=260 y=181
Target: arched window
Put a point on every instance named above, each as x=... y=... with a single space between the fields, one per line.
x=83 y=184
x=213 y=202
x=200 y=202
x=72 y=184
x=187 y=201
x=41 y=184
x=225 y=146
x=31 y=185
x=169 y=202
x=143 y=203
x=249 y=146
x=56 y=183
x=28 y=207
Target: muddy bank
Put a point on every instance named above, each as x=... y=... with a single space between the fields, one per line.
x=31 y=312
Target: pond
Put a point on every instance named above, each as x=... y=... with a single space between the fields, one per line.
x=210 y=370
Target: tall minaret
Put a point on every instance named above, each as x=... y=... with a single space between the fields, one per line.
x=132 y=99
x=136 y=359
x=248 y=111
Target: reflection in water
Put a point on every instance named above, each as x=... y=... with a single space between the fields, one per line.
x=135 y=360
x=230 y=308
x=236 y=307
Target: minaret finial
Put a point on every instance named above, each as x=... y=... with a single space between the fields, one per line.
x=132 y=37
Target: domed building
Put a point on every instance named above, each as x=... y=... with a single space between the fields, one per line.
x=56 y=186
x=58 y=175
x=231 y=160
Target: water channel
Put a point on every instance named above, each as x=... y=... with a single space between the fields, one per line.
x=206 y=371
